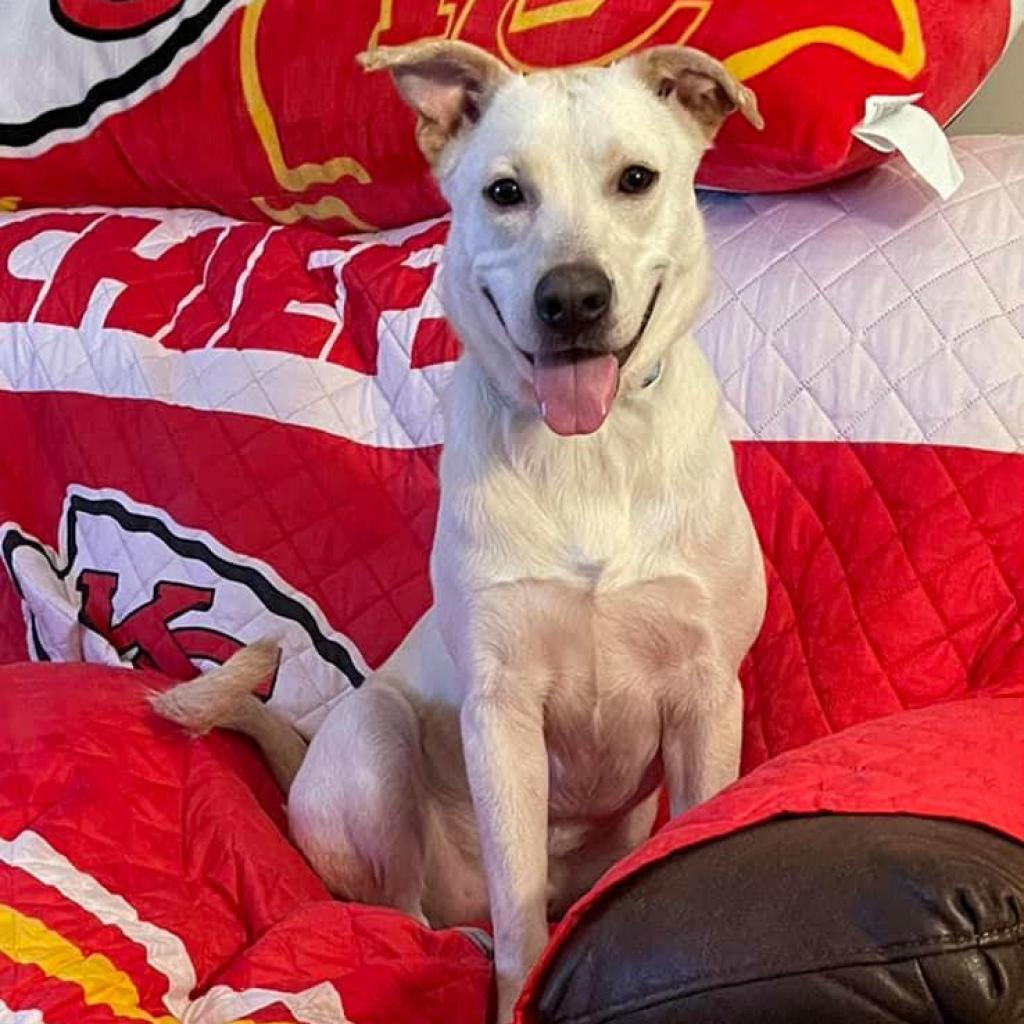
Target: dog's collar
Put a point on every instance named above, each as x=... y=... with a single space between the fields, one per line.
x=652 y=376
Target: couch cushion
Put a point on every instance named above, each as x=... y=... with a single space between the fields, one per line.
x=853 y=919
x=713 y=899
x=145 y=875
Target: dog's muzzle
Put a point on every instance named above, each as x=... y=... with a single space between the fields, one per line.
x=575 y=372
x=576 y=384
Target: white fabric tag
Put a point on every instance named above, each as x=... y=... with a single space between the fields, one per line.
x=895 y=123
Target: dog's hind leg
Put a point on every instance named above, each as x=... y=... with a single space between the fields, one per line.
x=356 y=807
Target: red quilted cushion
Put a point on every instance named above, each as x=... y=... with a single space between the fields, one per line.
x=139 y=869
x=259 y=110
x=896 y=581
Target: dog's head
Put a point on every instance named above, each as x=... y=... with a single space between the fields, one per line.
x=576 y=253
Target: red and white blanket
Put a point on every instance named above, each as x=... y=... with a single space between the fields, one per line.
x=215 y=431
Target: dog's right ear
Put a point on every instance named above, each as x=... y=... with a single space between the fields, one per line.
x=448 y=84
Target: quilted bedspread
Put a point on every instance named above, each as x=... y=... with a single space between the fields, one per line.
x=215 y=431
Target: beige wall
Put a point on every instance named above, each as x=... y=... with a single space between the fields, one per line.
x=999 y=107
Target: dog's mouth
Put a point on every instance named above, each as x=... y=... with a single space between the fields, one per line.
x=624 y=354
x=497 y=310
x=621 y=355
x=576 y=387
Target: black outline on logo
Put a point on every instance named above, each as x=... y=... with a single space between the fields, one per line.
x=133 y=522
x=76 y=115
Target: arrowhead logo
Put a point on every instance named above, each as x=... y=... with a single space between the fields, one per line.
x=131 y=586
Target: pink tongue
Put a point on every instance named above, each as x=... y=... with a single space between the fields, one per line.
x=575 y=396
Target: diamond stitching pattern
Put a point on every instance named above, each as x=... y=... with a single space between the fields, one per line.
x=864 y=315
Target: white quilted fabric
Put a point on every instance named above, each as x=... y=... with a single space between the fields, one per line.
x=868 y=310
x=395 y=408
x=871 y=311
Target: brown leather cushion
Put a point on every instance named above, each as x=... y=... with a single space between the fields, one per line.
x=822 y=920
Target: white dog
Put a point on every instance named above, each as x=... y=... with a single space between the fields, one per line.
x=595 y=593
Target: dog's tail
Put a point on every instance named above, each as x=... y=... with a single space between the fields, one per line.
x=224 y=698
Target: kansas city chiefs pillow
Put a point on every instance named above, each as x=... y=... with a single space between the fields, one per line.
x=258 y=109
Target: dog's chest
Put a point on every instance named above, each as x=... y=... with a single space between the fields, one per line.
x=599 y=546
x=605 y=664
x=602 y=752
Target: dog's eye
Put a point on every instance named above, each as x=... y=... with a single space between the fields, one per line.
x=637 y=179
x=505 y=192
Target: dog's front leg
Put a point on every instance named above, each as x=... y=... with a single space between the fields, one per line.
x=700 y=746
x=507 y=764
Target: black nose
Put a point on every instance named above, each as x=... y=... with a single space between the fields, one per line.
x=572 y=297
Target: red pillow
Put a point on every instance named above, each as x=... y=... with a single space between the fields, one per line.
x=259 y=109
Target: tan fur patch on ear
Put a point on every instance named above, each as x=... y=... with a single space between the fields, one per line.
x=446 y=83
x=703 y=86
x=705 y=99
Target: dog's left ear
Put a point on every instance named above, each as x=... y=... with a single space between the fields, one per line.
x=703 y=86
x=448 y=84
